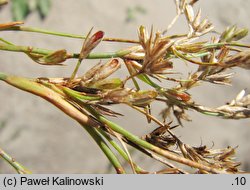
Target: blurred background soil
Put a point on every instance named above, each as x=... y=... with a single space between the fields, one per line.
x=43 y=139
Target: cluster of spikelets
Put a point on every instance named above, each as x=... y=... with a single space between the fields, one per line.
x=153 y=57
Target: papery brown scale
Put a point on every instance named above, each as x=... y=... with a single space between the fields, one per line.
x=241 y=59
x=90 y=73
x=105 y=111
x=10 y=24
x=117 y=96
x=192 y=2
x=227 y=154
x=190 y=48
x=54 y=58
x=203 y=25
x=202 y=150
x=160 y=49
x=150 y=39
x=245 y=100
x=222 y=54
x=132 y=66
x=160 y=67
x=101 y=71
x=189 y=12
x=107 y=69
x=142 y=98
x=157 y=38
x=108 y=84
x=197 y=19
x=143 y=36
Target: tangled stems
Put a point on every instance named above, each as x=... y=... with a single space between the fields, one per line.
x=138 y=169
x=106 y=150
x=55 y=95
x=85 y=98
x=57 y=99
x=155 y=149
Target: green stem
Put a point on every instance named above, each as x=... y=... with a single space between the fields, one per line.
x=63 y=34
x=106 y=150
x=25 y=49
x=147 y=80
x=76 y=69
x=220 y=44
x=18 y=167
x=5 y=41
x=121 y=151
x=3 y=76
x=105 y=55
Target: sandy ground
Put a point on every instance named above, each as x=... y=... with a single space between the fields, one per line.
x=43 y=139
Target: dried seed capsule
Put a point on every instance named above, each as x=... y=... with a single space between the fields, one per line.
x=108 y=84
x=142 y=98
x=159 y=68
x=54 y=58
x=180 y=95
x=90 y=43
x=100 y=72
x=117 y=96
x=107 y=69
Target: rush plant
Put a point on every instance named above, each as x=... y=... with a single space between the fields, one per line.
x=88 y=97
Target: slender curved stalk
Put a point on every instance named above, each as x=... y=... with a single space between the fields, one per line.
x=103 y=55
x=63 y=34
x=17 y=166
x=75 y=70
x=25 y=49
x=217 y=45
x=104 y=147
x=121 y=151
